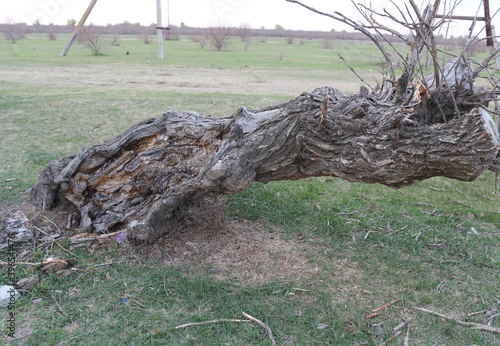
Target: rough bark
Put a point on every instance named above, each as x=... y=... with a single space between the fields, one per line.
x=142 y=179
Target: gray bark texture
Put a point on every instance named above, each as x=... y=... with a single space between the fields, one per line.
x=142 y=179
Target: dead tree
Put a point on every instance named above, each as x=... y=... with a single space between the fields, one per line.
x=405 y=130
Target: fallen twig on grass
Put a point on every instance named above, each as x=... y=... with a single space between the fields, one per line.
x=375 y=311
x=165 y=288
x=492 y=317
x=420 y=204
x=91 y=135
x=81 y=270
x=93 y=237
x=263 y=325
x=385 y=305
x=476 y=313
x=210 y=322
x=469 y=324
x=59 y=306
x=496 y=184
x=407 y=337
x=249 y=319
x=285 y=316
x=35 y=264
x=103 y=264
x=68 y=251
x=77 y=336
x=402 y=324
x=390 y=339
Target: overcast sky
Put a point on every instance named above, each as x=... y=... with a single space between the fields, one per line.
x=201 y=13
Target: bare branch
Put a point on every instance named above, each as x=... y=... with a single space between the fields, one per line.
x=485 y=63
x=352 y=69
x=263 y=325
x=220 y=320
x=469 y=324
x=341 y=18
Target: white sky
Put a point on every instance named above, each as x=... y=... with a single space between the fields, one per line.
x=200 y=13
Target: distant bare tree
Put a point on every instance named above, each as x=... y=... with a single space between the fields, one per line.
x=91 y=37
x=218 y=36
x=51 y=33
x=13 y=31
x=114 y=39
x=327 y=41
x=172 y=34
x=146 y=31
x=244 y=32
x=201 y=39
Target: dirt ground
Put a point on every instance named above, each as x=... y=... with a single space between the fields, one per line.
x=174 y=79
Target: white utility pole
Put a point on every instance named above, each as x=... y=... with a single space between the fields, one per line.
x=159 y=32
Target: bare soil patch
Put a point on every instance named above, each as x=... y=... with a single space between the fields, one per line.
x=244 y=251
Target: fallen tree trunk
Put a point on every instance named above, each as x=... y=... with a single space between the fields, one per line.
x=142 y=179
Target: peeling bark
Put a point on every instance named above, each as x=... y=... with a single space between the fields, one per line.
x=142 y=179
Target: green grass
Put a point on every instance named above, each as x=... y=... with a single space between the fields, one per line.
x=327 y=251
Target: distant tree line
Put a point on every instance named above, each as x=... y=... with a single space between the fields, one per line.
x=16 y=31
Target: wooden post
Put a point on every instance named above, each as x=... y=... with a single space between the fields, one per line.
x=487 y=20
x=78 y=28
x=159 y=32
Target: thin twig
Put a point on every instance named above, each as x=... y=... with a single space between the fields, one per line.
x=496 y=184
x=342 y=18
x=263 y=325
x=469 y=324
x=100 y=236
x=402 y=324
x=385 y=305
x=52 y=222
x=285 y=316
x=103 y=264
x=165 y=288
x=77 y=336
x=210 y=322
x=59 y=306
x=91 y=135
x=407 y=337
x=391 y=338
x=352 y=69
x=33 y=264
x=476 y=313
x=68 y=251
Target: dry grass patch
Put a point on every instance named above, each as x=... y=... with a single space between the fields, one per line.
x=244 y=251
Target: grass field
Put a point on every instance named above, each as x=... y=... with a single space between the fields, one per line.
x=310 y=258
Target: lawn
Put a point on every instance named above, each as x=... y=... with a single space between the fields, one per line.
x=310 y=258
